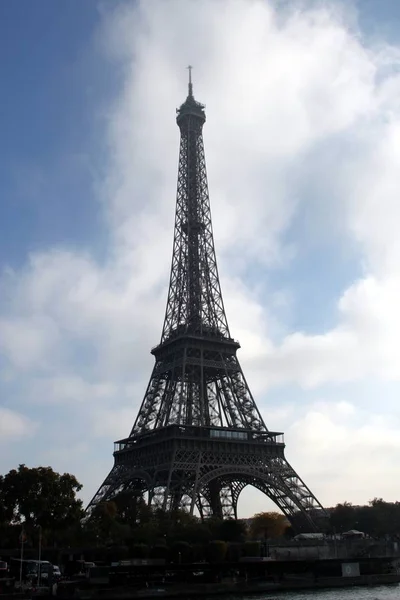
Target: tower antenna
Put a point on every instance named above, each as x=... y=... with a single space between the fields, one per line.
x=190 y=81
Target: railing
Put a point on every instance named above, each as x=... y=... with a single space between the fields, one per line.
x=214 y=433
x=183 y=331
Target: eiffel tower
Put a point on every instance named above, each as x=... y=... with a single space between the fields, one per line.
x=199 y=438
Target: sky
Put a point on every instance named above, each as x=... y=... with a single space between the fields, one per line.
x=302 y=144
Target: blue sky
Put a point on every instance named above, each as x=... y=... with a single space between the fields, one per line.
x=302 y=152
x=48 y=121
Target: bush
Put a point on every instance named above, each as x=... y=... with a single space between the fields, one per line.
x=252 y=549
x=235 y=552
x=114 y=553
x=140 y=551
x=217 y=551
x=199 y=552
x=160 y=551
x=232 y=530
x=181 y=552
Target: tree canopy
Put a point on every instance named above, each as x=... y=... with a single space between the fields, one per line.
x=377 y=519
x=39 y=497
x=268 y=525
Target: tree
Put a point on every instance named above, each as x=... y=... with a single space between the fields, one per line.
x=40 y=496
x=140 y=551
x=268 y=525
x=377 y=519
x=234 y=552
x=343 y=517
x=386 y=517
x=181 y=552
x=217 y=551
x=132 y=509
x=103 y=526
x=252 y=549
x=159 y=551
x=231 y=530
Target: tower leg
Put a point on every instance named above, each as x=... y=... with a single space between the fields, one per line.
x=196 y=484
x=215 y=498
x=228 y=502
x=167 y=488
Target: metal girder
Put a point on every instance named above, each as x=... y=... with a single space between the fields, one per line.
x=209 y=393
x=197 y=377
x=197 y=380
x=212 y=480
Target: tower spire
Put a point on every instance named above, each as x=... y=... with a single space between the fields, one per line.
x=190 y=81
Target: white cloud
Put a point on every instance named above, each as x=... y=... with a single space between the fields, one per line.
x=347 y=454
x=114 y=423
x=28 y=342
x=365 y=340
x=278 y=86
x=14 y=425
x=69 y=390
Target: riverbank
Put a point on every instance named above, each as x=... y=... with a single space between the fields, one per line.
x=139 y=579
x=126 y=581
x=239 y=588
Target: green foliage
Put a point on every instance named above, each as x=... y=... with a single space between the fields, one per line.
x=267 y=525
x=252 y=549
x=141 y=551
x=229 y=530
x=217 y=551
x=376 y=519
x=197 y=533
x=40 y=496
x=181 y=552
x=234 y=552
x=199 y=552
x=343 y=517
x=387 y=516
x=114 y=553
x=132 y=509
x=127 y=527
x=289 y=532
x=103 y=526
x=159 y=551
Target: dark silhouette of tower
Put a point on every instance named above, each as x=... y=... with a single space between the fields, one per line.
x=199 y=438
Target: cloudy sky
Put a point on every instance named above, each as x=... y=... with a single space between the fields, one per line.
x=303 y=151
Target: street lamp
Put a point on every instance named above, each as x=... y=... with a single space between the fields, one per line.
x=22 y=539
x=40 y=554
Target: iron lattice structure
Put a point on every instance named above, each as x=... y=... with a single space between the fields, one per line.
x=199 y=438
